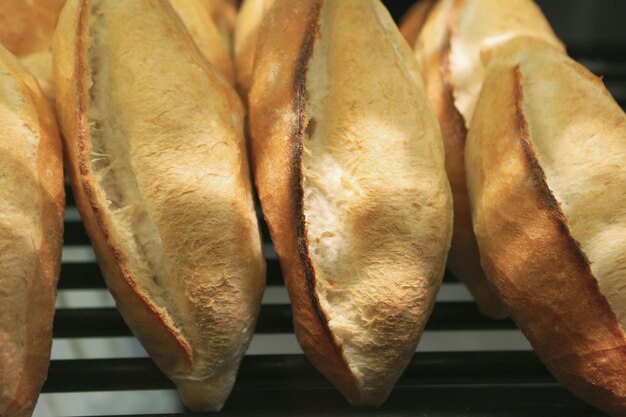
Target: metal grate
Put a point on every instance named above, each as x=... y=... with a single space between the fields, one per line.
x=437 y=384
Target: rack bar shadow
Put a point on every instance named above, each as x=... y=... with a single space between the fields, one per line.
x=293 y=372
x=452 y=383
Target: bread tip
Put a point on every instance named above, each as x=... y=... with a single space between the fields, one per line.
x=208 y=394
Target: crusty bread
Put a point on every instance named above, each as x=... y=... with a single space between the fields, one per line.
x=206 y=35
x=31 y=234
x=223 y=13
x=249 y=19
x=413 y=20
x=157 y=159
x=26 y=29
x=348 y=161
x=547 y=185
x=449 y=49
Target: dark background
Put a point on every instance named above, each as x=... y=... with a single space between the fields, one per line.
x=578 y=21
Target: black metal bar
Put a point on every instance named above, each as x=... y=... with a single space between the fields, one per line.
x=411 y=400
x=274 y=318
x=412 y=410
x=77 y=275
x=69 y=196
x=75 y=234
x=294 y=372
x=454 y=384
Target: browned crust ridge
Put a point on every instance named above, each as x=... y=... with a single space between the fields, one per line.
x=286 y=218
x=464 y=257
x=529 y=253
x=168 y=347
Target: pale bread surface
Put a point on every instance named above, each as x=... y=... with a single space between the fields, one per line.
x=349 y=166
x=157 y=158
x=546 y=181
x=31 y=233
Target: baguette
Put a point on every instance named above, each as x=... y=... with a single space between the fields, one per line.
x=31 y=234
x=449 y=49
x=157 y=161
x=207 y=36
x=413 y=20
x=249 y=19
x=348 y=161
x=26 y=29
x=224 y=14
x=546 y=181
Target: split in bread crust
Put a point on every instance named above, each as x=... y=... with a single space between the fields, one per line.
x=349 y=166
x=449 y=49
x=207 y=36
x=31 y=234
x=546 y=181
x=157 y=159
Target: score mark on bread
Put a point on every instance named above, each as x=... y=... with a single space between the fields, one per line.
x=344 y=146
x=157 y=159
x=546 y=181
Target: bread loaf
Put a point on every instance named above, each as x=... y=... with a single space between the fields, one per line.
x=31 y=233
x=348 y=161
x=547 y=182
x=26 y=29
x=157 y=160
x=249 y=19
x=223 y=13
x=413 y=20
x=207 y=36
x=449 y=49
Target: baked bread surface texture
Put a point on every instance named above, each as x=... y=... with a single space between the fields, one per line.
x=207 y=36
x=224 y=14
x=479 y=25
x=348 y=161
x=26 y=29
x=546 y=181
x=414 y=18
x=31 y=233
x=449 y=49
x=249 y=20
x=157 y=159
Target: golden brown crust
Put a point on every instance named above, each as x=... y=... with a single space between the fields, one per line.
x=450 y=45
x=463 y=259
x=30 y=236
x=363 y=285
x=206 y=35
x=224 y=14
x=277 y=170
x=529 y=253
x=336 y=368
x=198 y=329
x=413 y=20
x=72 y=74
x=26 y=29
x=477 y=27
x=249 y=20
